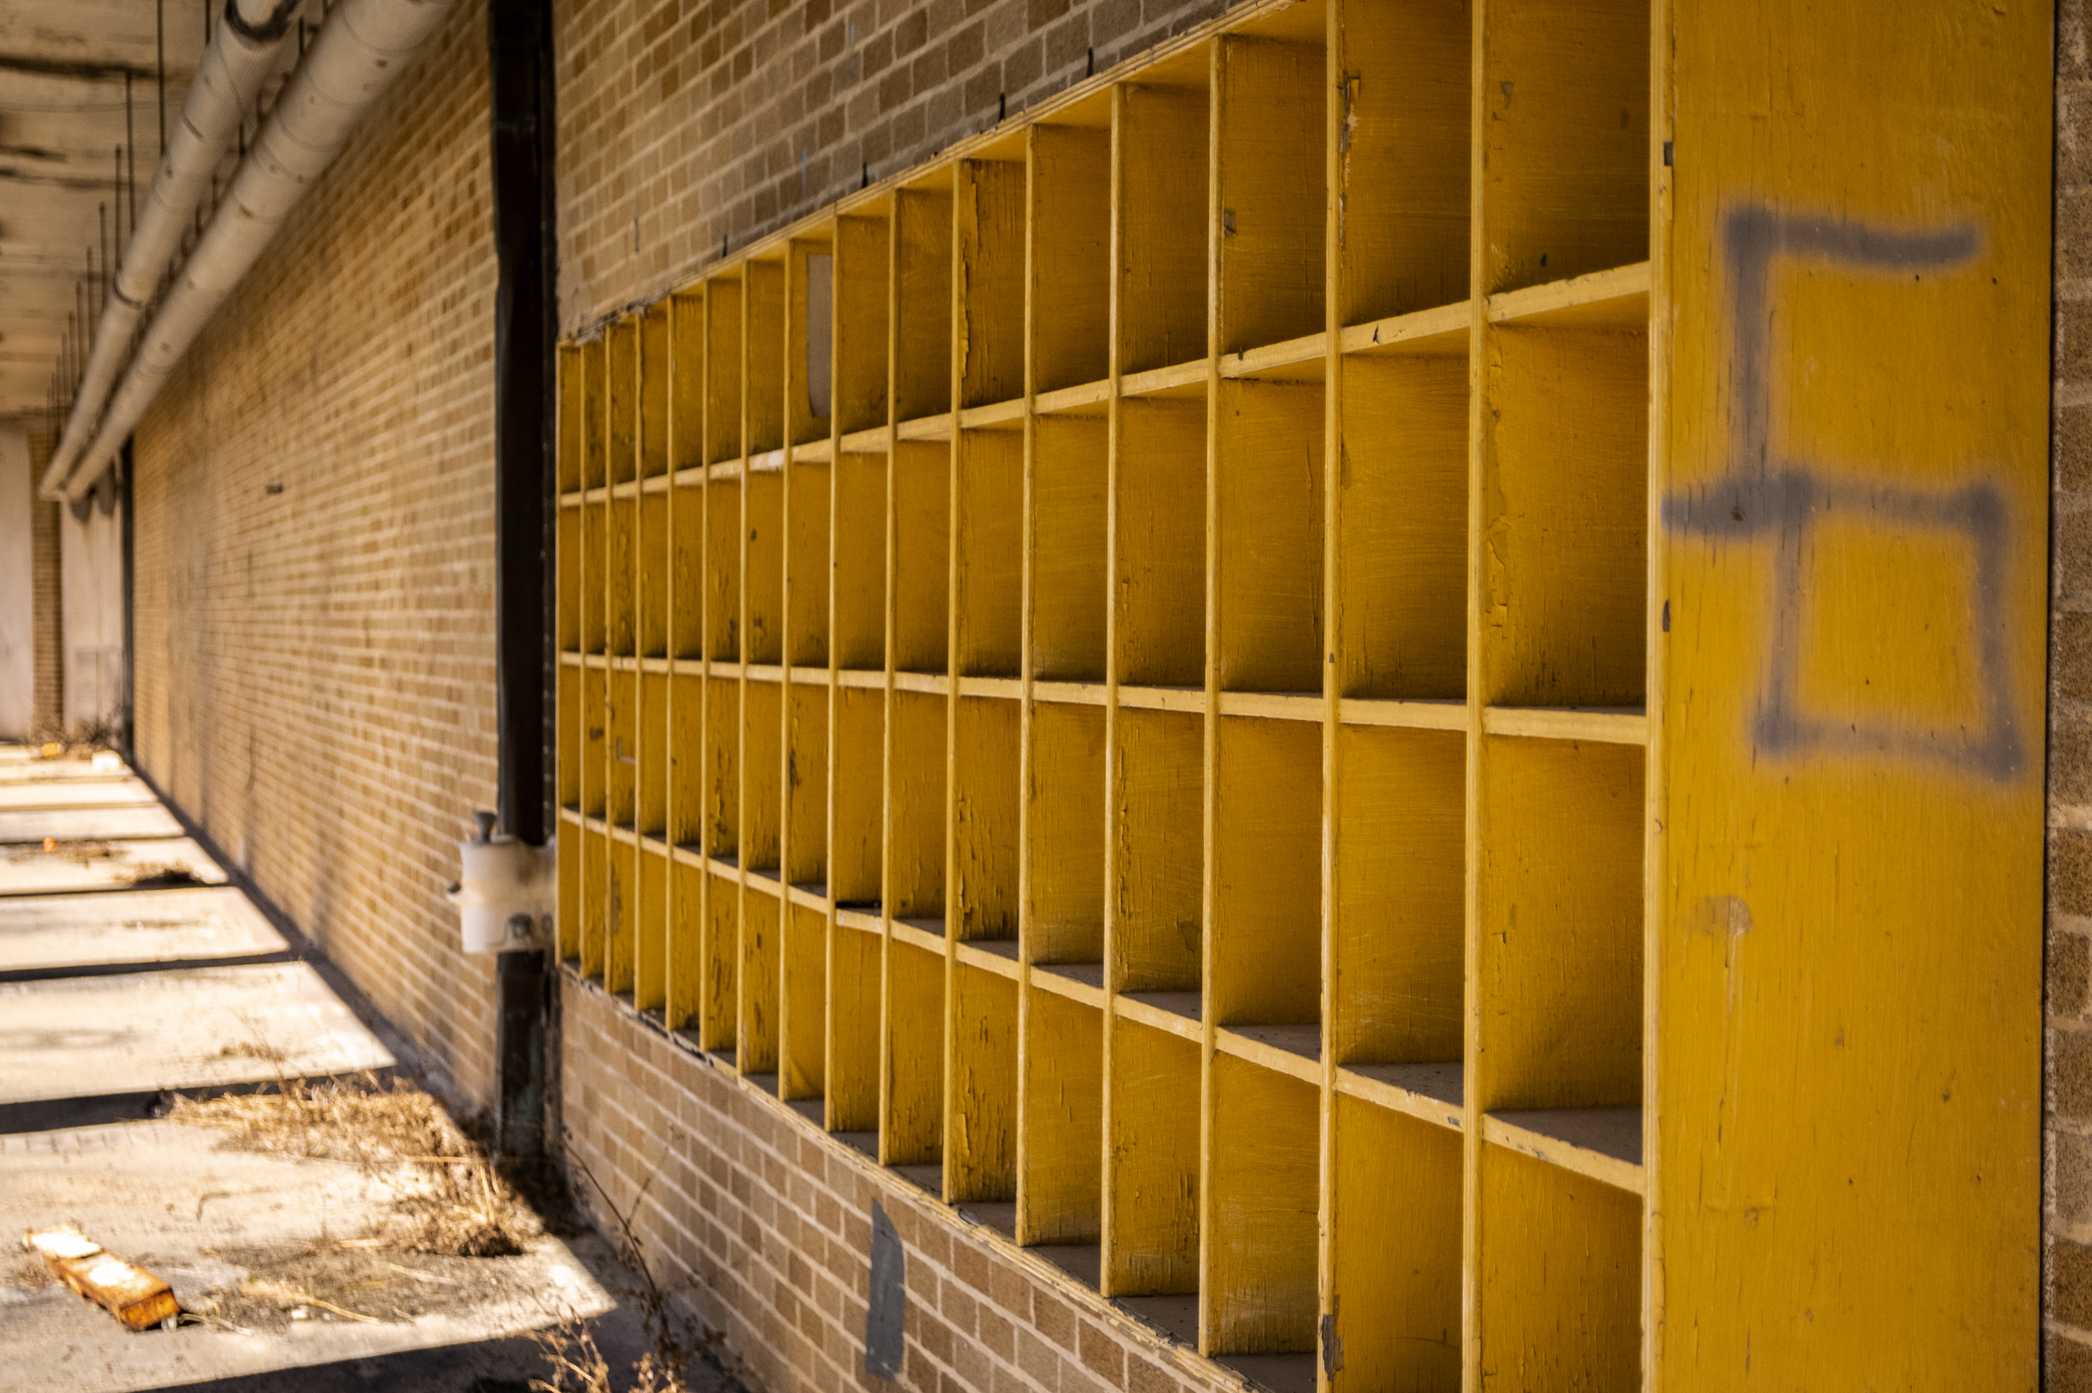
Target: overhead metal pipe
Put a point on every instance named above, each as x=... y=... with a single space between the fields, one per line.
x=227 y=82
x=361 y=49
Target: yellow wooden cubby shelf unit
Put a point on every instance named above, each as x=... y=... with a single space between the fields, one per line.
x=1389 y=714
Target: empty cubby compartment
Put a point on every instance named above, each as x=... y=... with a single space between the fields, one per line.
x=980 y=1137
x=1269 y=523
x=1560 y=906
x=1265 y=957
x=988 y=264
x=1271 y=174
x=858 y=630
x=921 y=578
x=1151 y=1195
x=1403 y=156
x=1157 y=788
x=1565 y=490
x=1060 y=1191
x=1065 y=834
x=1401 y=508
x=1399 y=946
x=1560 y=1279
x=1070 y=507
x=1258 y=1291
x=922 y=349
x=1163 y=216
x=1160 y=566
x=1071 y=251
x=986 y=786
x=1394 y=1233
x=1565 y=138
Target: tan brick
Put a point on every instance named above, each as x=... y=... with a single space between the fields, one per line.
x=2066 y=1362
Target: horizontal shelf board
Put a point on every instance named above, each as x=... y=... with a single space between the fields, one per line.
x=1175 y=1012
x=1614 y=299
x=1001 y=415
x=1441 y=330
x=1274 y=706
x=1407 y=715
x=865 y=918
x=866 y=442
x=1078 y=982
x=1001 y=688
x=570 y=657
x=927 y=683
x=628 y=488
x=1602 y=1144
x=690 y=476
x=766 y=879
x=654 y=844
x=1082 y=1261
x=1071 y=693
x=657 y=483
x=569 y=813
x=1177 y=380
x=1429 y=1092
x=996 y=955
x=1175 y=1316
x=813 y=894
x=574 y=499
x=863 y=679
x=813 y=451
x=763 y=672
x=1191 y=699
x=937 y=427
x=767 y=462
x=1295 y=360
x=1083 y=399
x=1614 y=725
x=1278 y=1373
x=999 y=1215
x=927 y=1176
x=923 y=932
x=722 y=471
x=1288 y=1049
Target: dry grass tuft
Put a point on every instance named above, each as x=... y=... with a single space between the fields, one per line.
x=449 y=1199
x=574 y=1364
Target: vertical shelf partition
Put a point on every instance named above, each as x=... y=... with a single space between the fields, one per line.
x=1109 y=673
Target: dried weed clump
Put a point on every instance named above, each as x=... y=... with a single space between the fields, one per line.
x=448 y=1195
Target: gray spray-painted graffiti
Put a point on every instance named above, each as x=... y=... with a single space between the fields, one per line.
x=1764 y=492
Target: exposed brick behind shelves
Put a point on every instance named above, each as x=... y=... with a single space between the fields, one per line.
x=2067 y=1209
x=688 y=127
x=768 y=1223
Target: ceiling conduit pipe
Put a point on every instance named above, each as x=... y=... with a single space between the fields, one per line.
x=363 y=47
x=221 y=97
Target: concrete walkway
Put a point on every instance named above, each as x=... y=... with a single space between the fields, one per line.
x=130 y=970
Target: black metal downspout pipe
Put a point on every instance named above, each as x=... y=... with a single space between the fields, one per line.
x=519 y=45
x=127 y=727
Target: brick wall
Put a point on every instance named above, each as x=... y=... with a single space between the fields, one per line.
x=686 y=128
x=766 y=1224
x=45 y=593
x=2068 y=1203
x=315 y=558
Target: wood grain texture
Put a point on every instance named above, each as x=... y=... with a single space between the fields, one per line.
x=1850 y=736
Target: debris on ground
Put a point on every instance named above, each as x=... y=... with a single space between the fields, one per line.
x=448 y=1196
x=133 y=1295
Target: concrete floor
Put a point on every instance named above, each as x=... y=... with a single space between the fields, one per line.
x=113 y=995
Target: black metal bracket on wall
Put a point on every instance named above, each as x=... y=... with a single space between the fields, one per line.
x=519 y=48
